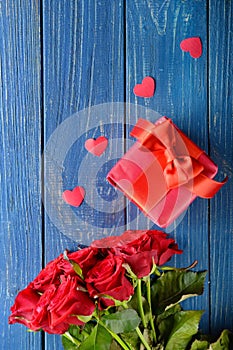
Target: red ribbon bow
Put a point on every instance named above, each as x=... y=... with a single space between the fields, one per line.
x=178 y=157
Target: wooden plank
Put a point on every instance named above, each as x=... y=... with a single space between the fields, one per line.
x=154 y=32
x=221 y=141
x=83 y=66
x=20 y=120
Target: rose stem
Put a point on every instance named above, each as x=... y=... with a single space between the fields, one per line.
x=68 y=336
x=148 y=286
x=139 y=333
x=139 y=296
x=143 y=340
x=116 y=337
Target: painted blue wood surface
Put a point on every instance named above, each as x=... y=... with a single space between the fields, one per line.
x=158 y=28
x=20 y=130
x=65 y=56
x=85 y=42
x=221 y=150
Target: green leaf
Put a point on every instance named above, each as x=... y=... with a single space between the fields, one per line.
x=133 y=304
x=72 y=338
x=177 y=329
x=84 y=319
x=122 y=321
x=131 y=338
x=169 y=312
x=117 y=303
x=165 y=327
x=68 y=343
x=99 y=339
x=130 y=272
x=175 y=286
x=76 y=266
x=223 y=342
x=200 y=345
x=165 y=322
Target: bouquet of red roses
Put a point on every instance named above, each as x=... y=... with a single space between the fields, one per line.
x=116 y=294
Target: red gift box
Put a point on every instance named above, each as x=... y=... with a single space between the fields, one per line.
x=164 y=171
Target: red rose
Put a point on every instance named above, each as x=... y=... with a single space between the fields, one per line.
x=140 y=248
x=25 y=303
x=108 y=277
x=86 y=258
x=41 y=315
x=52 y=300
x=52 y=272
x=70 y=300
x=55 y=309
x=114 y=241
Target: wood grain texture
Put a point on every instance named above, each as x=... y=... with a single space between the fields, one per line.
x=89 y=44
x=20 y=120
x=221 y=150
x=153 y=35
x=83 y=66
x=69 y=55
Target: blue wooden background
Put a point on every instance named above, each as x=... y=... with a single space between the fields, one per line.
x=61 y=56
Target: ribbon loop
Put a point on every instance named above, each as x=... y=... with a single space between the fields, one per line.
x=170 y=154
x=178 y=156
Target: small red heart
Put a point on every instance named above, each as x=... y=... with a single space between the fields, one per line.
x=96 y=146
x=74 y=197
x=193 y=46
x=146 y=88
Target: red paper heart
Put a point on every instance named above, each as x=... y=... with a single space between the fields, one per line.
x=146 y=88
x=193 y=46
x=96 y=146
x=74 y=197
